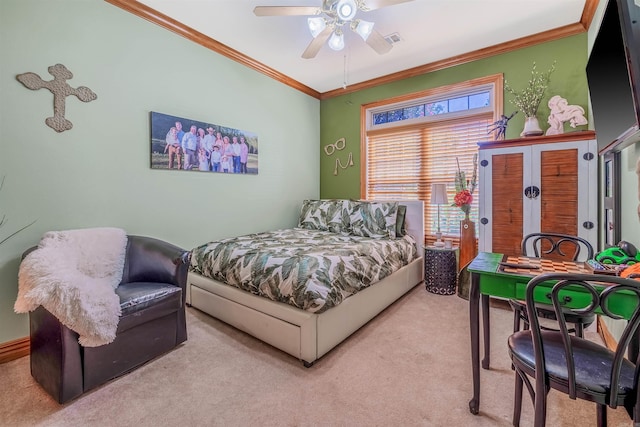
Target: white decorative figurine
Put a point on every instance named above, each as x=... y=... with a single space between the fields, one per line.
x=562 y=112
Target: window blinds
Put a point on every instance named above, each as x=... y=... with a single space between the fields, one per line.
x=403 y=162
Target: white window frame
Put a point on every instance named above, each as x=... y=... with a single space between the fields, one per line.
x=489 y=87
x=494 y=84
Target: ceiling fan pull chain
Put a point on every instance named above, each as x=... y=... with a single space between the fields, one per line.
x=344 y=77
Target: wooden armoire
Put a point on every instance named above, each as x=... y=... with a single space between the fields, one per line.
x=537 y=184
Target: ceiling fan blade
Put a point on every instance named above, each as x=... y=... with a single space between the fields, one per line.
x=315 y=45
x=378 y=42
x=377 y=4
x=286 y=10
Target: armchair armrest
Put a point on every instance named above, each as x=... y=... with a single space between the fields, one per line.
x=154 y=260
x=28 y=251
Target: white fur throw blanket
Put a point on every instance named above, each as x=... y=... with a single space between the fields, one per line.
x=74 y=274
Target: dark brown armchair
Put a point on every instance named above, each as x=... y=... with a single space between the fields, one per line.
x=152 y=299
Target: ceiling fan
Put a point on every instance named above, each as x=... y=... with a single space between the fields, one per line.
x=327 y=22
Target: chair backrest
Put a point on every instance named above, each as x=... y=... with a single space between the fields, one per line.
x=557 y=246
x=602 y=292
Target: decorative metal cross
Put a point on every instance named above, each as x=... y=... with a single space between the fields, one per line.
x=60 y=90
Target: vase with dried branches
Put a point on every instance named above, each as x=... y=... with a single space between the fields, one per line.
x=463 y=200
x=528 y=99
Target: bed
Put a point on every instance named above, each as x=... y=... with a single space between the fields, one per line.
x=309 y=330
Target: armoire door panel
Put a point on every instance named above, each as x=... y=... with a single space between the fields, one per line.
x=559 y=191
x=507 y=202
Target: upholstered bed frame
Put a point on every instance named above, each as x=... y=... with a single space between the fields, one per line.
x=304 y=335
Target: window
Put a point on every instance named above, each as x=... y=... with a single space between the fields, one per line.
x=416 y=140
x=432 y=108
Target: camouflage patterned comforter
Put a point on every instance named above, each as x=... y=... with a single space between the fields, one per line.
x=309 y=269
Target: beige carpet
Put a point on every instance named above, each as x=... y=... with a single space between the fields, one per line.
x=408 y=367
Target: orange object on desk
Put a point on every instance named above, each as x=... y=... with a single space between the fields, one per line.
x=631 y=272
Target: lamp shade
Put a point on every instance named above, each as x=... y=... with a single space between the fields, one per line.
x=336 y=41
x=363 y=28
x=316 y=25
x=439 y=194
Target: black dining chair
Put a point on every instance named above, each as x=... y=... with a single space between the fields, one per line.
x=578 y=367
x=557 y=246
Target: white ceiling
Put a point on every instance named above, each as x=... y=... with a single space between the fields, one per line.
x=431 y=30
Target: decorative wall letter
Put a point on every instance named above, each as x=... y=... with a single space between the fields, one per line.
x=60 y=89
x=339 y=145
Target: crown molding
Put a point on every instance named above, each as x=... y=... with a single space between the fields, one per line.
x=546 y=36
x=143 y=11
x=171 y=24
x=588 y=13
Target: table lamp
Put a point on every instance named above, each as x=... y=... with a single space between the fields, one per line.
x=439 y=197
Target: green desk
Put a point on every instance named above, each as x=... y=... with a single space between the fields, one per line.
x=487 y=280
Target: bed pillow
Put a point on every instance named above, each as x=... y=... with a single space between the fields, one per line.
x=374 y=219
x=400 y=223
x=325 y=215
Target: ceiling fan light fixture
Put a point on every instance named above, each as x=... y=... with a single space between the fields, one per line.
x=327 y=21
x=346 y=10
x=336 y=41
x=316 y=25
x=363 y=28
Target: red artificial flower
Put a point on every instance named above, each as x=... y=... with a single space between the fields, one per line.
x=463 y=197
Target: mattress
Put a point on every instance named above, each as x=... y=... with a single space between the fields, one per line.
x=309 y=269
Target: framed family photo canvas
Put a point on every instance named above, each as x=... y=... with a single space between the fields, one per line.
x=182 y=144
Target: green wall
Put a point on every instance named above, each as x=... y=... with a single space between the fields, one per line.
x=98 y=174
x=340 y=116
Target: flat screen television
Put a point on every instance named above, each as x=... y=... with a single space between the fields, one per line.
x=613 y=74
